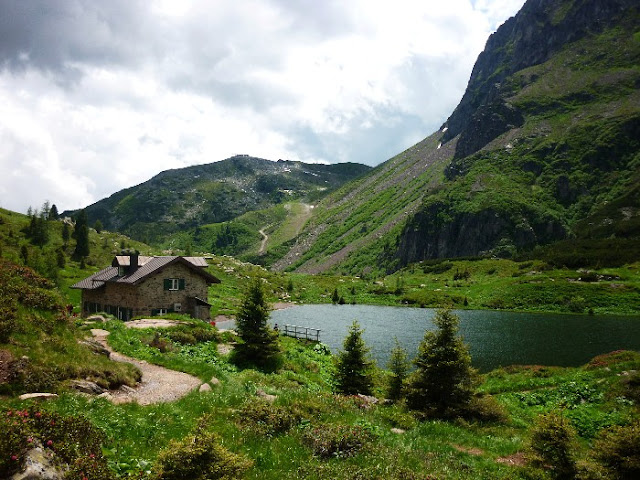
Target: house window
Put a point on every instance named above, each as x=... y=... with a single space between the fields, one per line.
x=120 y=271
x=174 y=283
x=159 y=311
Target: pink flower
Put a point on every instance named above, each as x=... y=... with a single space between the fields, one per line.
x=49 y=443
x=14 y=457
x=30 y=440
x=38 y=414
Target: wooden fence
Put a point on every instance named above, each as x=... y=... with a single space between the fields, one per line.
x=297 y=331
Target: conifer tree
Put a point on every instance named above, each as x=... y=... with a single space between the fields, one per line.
x=354 y=368
x=81 y=234
x=260 y=344
x=97 y=226
x=53 y=212
x=444 y=381
x=65 y=233
x=335 y=297
x=399 y=367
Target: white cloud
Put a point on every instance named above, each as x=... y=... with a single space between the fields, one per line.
x=96 y=97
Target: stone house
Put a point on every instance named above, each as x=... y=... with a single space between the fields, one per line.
x=136 y=285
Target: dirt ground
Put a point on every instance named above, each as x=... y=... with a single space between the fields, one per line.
x=158 y=384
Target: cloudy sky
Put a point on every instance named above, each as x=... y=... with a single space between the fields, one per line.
x=100 y=95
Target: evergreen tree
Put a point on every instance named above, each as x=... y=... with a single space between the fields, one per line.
x=97 y=226
x=443 y=383
x=354 y=368
x=81 y=234
x=53 y=213
x=260 y=344
x=399 y=367
x=335 y=296
x=38 y=229
x=66 y=234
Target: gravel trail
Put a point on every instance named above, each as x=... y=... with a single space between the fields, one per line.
x=158 y=384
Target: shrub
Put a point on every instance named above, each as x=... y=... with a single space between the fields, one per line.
x=338 y=441
x=8 y=322
x=199 y=456
x=631 y=386
x=322 y=349
x=486 y=409
x=619 y=450
x=266 y=419
x=75 y=441
x=553 y=446
x=161 y=343
x=182 y=338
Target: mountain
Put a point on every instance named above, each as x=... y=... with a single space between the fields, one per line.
x=543 y=147
x=186 y=198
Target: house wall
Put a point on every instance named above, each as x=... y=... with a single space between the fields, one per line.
x=150 y=294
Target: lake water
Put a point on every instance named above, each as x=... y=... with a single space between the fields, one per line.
x=495 y=338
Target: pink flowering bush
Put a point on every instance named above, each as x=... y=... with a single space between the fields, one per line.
x=75 y=443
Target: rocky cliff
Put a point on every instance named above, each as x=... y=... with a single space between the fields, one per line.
x=548 y=137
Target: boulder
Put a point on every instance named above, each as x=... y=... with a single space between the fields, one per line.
x=86 y=386
x=266 y=396
x=96 y=347
x=39 y=465
x=37 y=396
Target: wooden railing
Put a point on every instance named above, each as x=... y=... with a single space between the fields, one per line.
x=297 y=331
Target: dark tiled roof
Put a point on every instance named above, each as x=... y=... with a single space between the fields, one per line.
x=149 y=267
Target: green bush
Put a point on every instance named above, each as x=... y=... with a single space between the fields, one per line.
x=75 y=441
x=199 y=456
x=486 y=409
x=266 y=419
x=619 y=450
x=553 y=446
x=338 y=441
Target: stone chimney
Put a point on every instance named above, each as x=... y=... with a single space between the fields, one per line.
x=133 y=262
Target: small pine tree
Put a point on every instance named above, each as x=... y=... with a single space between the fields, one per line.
x=97 y=226
x=354 y=368
x=335 y=296
x=399 y=367
x=444 y=381
x=81 y=234
x=53 y=212
x=66 y=234
x=259 y=342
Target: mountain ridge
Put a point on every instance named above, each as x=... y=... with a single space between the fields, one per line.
x=185 y=198
x=544 y=138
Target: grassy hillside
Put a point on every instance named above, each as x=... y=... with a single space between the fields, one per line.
x=352 y=226
x=542 y=148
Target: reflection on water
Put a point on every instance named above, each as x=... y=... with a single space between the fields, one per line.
x=495 y=338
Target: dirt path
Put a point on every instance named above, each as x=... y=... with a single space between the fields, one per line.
x=158 y=384
x=265 y=239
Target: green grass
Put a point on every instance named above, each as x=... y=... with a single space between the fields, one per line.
x=592 y=397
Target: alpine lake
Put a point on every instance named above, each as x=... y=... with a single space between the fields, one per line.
x=495 y=339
